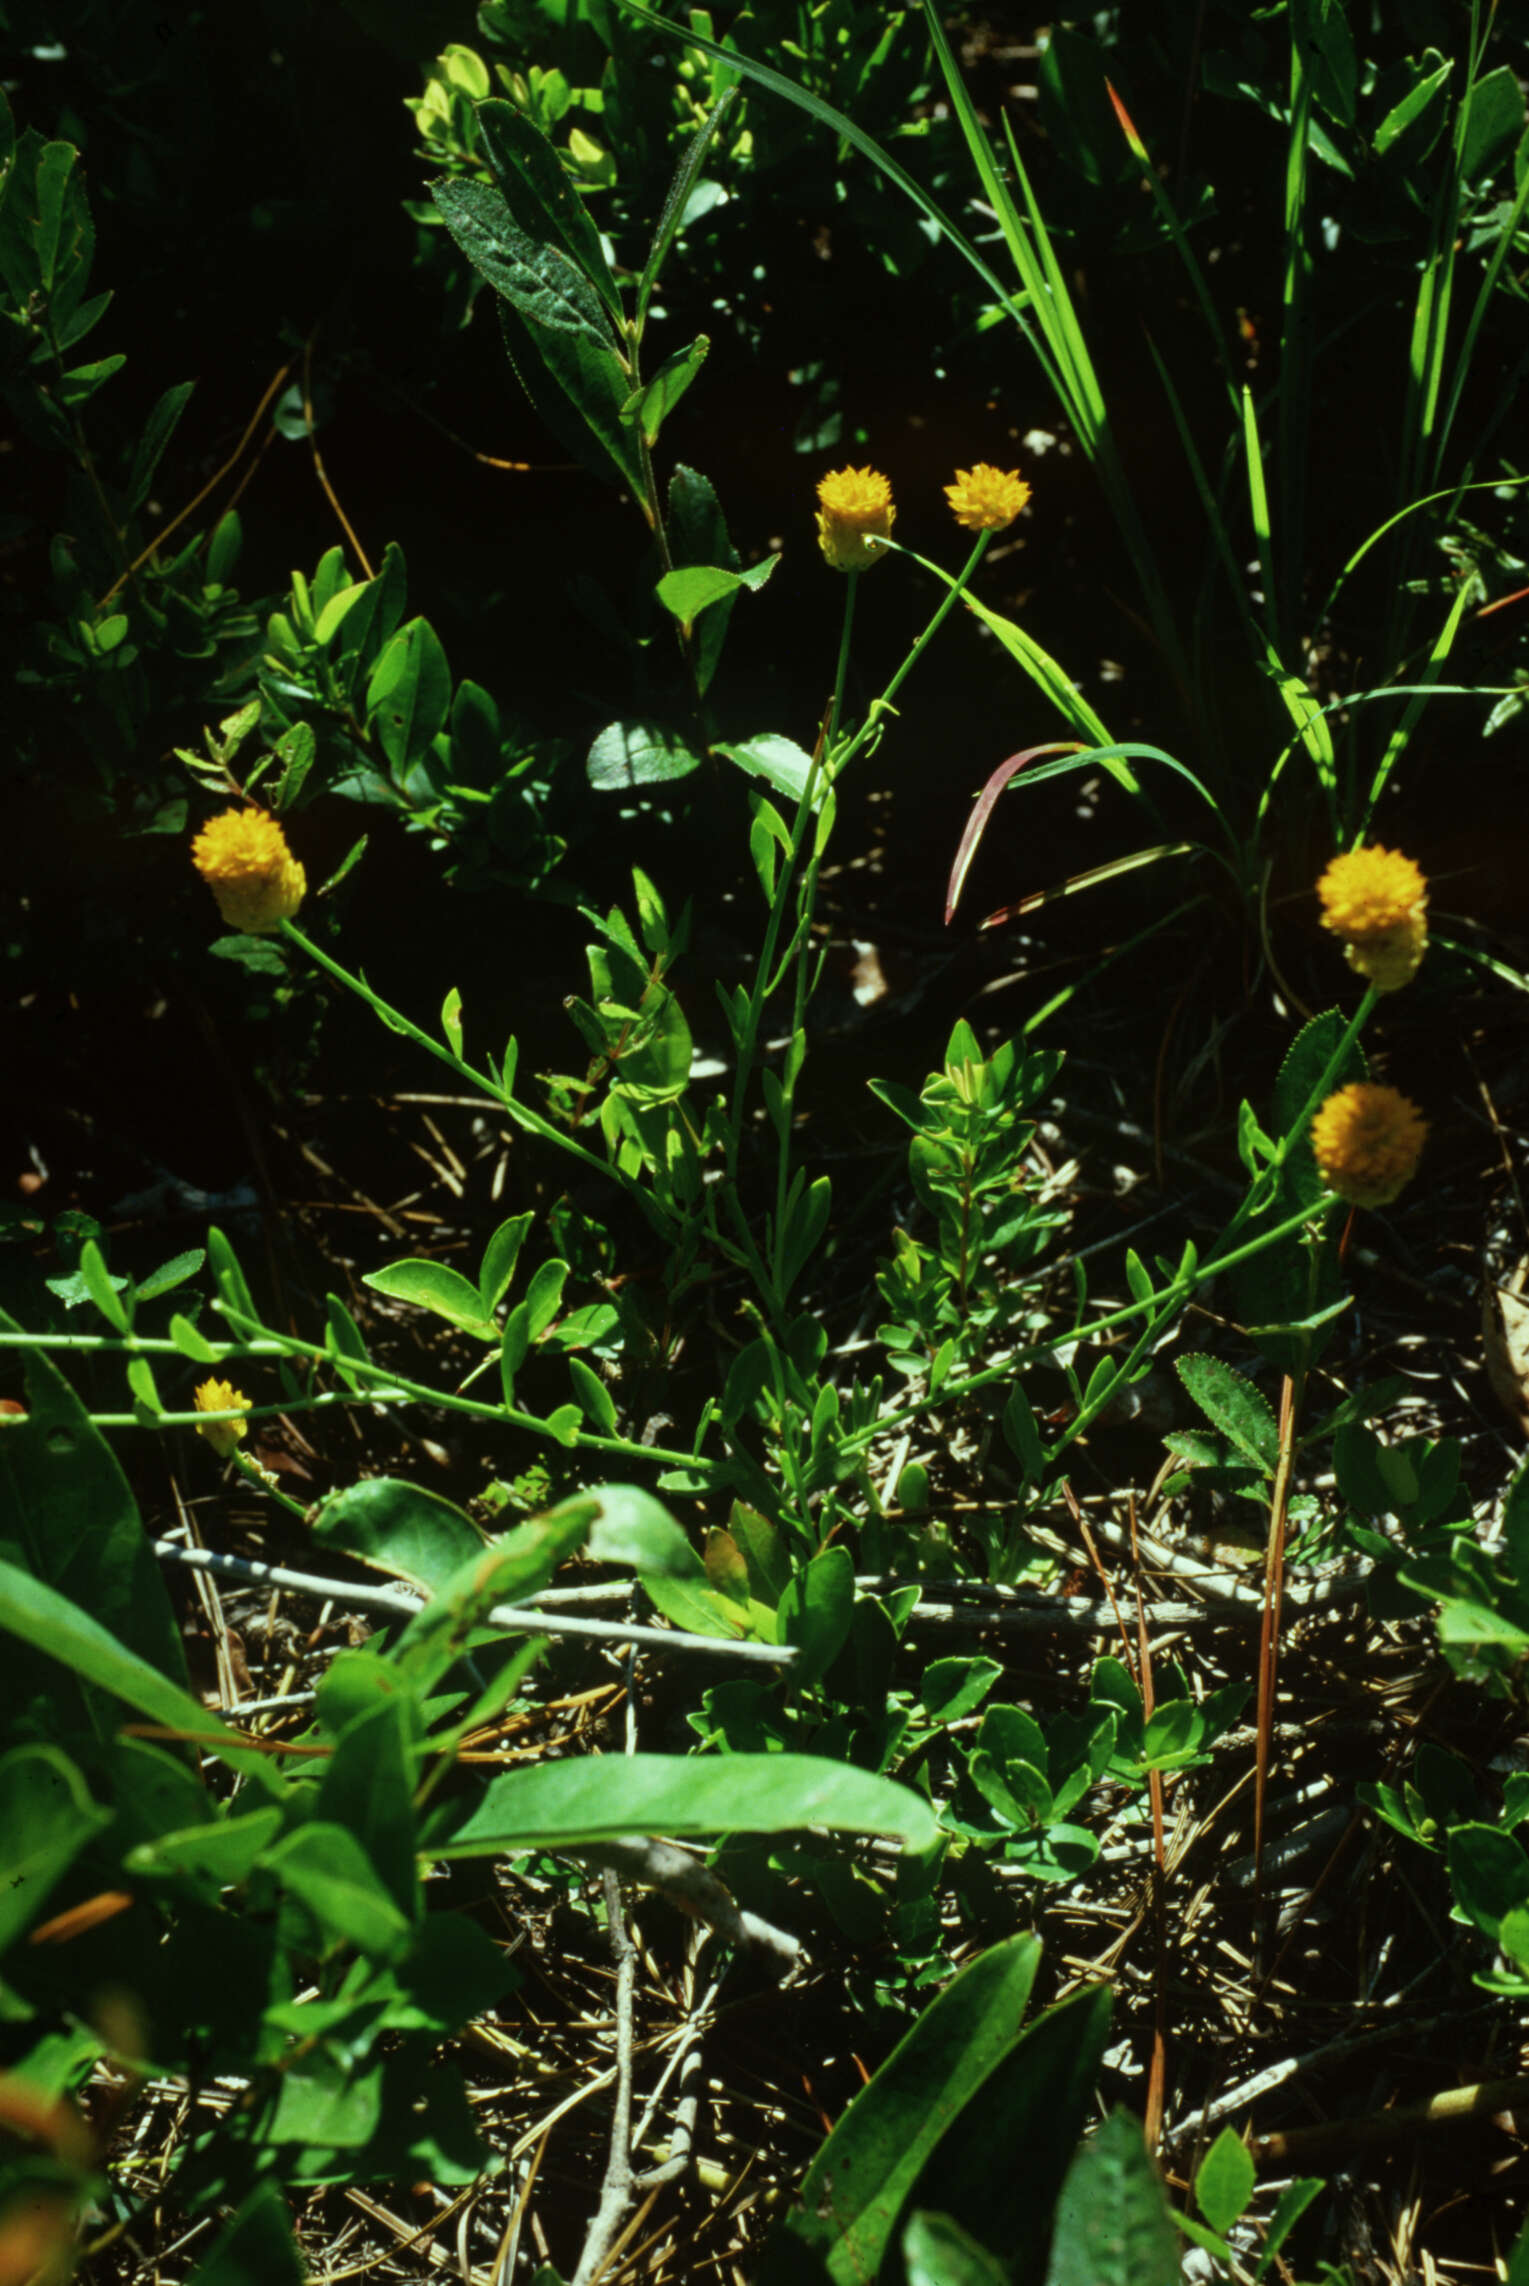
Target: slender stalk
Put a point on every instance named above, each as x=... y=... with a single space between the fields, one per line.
x=485 y=1082
x=883 y=705
x=836 y=704
x=1291 y=1390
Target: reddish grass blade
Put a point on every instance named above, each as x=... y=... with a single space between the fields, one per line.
x=976 y=824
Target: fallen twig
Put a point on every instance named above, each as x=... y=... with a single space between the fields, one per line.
x=513 y=1619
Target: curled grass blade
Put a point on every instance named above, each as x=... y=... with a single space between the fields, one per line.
x=1112 y=758
x=982 y=810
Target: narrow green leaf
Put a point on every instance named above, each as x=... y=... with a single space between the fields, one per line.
x=500 y=1257
x=434 y=1286
x=50 y=1623
x=560 y=1804
x=541 y=199
x=595 y=1400
x=325 y=1867
x=170 y=1274
x=451 y=1020
x=1292 y=2203
x=157 y=431
x=649 y=407
x=855 y=2190
x=102 y=1287
x=544 y=286
x=192 y=1343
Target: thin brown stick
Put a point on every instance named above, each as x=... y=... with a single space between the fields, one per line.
x=192 y=506
x=1078 y=1517
x=1330 y=2136
x=1268 y=1638
x=319 y=469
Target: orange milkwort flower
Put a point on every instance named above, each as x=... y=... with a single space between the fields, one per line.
x=854 y=509
x=220 y=1397
x=986 y=499
x=244 y=859
x=1376 y=901
x=1367 y=1141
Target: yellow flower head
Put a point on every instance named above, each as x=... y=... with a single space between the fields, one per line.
x=220 y=1397
x=1376 y=900
x=986 y=499
x=1368 y=1141
x=244 y=859
x=854 y=510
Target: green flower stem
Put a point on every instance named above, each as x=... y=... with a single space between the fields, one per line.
x=801 y=948
x=836 y=704
x=747 y=1039
x=486 y=1084
x=943 y=609
x=445 y=1401
x=1172 y=1298
x=255 y=1475
x=1334 y=1064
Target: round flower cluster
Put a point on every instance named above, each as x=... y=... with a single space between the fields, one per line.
x=244 y=859
x=1376 y=901
x=221 y=1397
x=1367 y=1140
x=986 y=499
x=854 y=511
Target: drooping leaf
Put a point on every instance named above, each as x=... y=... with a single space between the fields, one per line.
x=435 y=1286
x=560 y=1804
